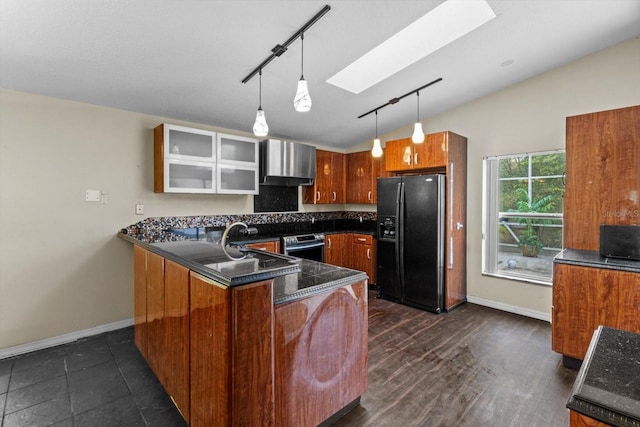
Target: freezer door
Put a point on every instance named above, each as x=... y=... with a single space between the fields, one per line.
x=388 y=196
x=421 y=253
x=388 y=256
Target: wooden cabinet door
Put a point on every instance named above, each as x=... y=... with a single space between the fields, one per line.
x=584 y=298
x=337 y=193
x=603 y=164
x=399 y=155
x=321 y=354
x=335 y=246
x=174 y=328
x=155 y=311
x=140 y=298
x=364 y=256
x=359 y=177
x=273 y=246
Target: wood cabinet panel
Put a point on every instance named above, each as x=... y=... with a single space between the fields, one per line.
x=335 y=249
x=578 y=420
x=403 y=155
x=175 y=329
x=456 y=213
x=155 y=312
x=210 y=352
x=584 y=298
x=603 y=174
x=362 y=173
x=359 y=176
x=140 y=298
x=273 y=246
x=252 y=387
x=320 y=360
x=329 y=185
x=231 y=356
x=364 y=255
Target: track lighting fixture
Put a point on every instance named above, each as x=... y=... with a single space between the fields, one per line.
x=376 y=151
x=302 y=100
x=260 y=127
x=418 y=133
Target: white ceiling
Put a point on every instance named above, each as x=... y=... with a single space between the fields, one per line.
x=185 y=59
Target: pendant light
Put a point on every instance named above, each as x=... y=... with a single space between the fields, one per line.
x=418 y=133
x=302 y=100
x=260 y=127
x=376 y=151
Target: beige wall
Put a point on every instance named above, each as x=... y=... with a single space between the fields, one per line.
x=62 y=268
x=529 y=117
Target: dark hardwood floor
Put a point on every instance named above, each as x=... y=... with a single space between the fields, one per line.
x=474 y=366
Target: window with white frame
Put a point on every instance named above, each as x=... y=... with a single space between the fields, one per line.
x=522 y=215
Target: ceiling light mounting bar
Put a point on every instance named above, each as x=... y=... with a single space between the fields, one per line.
x=397 y=99
x=279 y=49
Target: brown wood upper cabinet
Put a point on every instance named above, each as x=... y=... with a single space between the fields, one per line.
x=363 y=170
x=603 y=172
x=329 y=185
x=404 y=155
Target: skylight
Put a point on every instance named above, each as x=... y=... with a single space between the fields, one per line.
x=441 y=26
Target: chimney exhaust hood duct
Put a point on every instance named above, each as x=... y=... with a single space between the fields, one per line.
x=287 y=163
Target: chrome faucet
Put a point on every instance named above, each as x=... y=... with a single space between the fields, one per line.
x=223 y=241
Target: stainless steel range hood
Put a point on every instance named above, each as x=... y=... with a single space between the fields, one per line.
x=287 y=163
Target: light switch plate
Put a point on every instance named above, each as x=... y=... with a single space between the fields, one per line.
x=92 y=196
x=139 y=209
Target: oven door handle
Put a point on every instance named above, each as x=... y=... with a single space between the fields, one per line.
x=300 y=247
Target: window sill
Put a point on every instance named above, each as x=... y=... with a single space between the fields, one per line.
x=521 y=278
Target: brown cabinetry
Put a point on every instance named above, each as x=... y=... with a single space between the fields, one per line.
x=352 y=250
x=364 y=255
x=329 y=185
x=603 y=164
x=335 y=249
x=404 y=155
x=603 y=174
x=161 y=322
x=272 y=246
x=586 y=297
x=362 y=173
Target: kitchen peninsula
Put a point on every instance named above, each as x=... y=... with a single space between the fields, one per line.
x=249 y=337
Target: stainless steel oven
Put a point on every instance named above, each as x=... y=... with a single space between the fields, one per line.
x=307 y=246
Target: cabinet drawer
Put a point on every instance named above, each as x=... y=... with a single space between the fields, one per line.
x=363 y=239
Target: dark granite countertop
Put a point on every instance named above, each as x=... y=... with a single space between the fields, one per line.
x=294 y=277
x=594 y=259
x=607 y=387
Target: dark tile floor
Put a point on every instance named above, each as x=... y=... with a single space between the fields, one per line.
x=475 y=367
x=97 y=381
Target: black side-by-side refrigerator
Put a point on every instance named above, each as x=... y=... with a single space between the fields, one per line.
x=411 y=240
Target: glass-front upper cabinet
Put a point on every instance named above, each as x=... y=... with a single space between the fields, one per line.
x=237 y=179
x=180 y=142
x=237 y=150
x=185 y=176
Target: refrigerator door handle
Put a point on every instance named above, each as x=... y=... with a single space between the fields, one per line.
x=400 y=234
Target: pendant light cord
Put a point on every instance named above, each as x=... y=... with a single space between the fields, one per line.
x=260 y=90
x=376 y=123
x=418 y=98
x=302 y=56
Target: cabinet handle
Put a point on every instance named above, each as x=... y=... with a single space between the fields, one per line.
x=368 y=253
x=369 y=195
x=261 y=249
x=328 y=243
x=333 y=193
x=415 y=159
x=317 y=196
x=361 y=239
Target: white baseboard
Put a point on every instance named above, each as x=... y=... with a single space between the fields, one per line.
x=62 y=339
x=540 y=315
